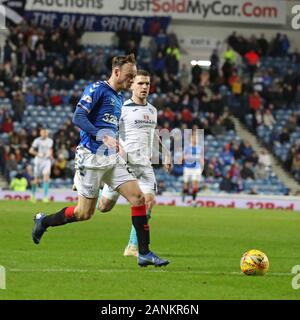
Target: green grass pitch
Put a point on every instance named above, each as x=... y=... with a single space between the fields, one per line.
x=85 y=260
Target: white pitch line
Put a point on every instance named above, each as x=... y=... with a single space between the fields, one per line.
x=68 y=270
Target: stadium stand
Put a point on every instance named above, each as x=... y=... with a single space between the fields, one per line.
x=42 y=86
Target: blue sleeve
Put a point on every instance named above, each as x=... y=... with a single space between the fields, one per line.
x=90 y=96
x=80 y=119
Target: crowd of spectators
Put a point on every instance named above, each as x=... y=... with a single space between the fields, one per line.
x=267 y=88
x=185 y=97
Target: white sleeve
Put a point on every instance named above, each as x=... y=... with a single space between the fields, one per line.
x=35 y=143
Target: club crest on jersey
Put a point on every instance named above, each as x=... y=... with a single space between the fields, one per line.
x=151 y=110
x=112 y=102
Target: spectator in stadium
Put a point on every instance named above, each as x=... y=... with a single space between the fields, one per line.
x=252 y=60
x=275 y=48
x=296 y=164
x=292 y=122
x=226 y=72
x=161 y=39
x=260 y=171
x=247 y=172
x=187 y=116
x=226 y=184
x=232 y=40
x=196 y=74
x=212 y=168
x=7 y=125
x=246 y=149
x=258 y=119
x=172 y=59
x=284 y=136
x=230 y=56
x=235 y=172
x=10 y=166
x=263 y=45
x=297 y=95
x=295 y=56
x=18 y=183
x=63 y=151
x=255 y=101
x=59 y=167
x=2 y=160
x=184 y=76
x=18 y=105
x=28 y=175
x=253 y=191
x=214 y=67
x=55 y=99
x=159 y=63
x=2 y=90
x=253 y=158
x=235 y=150
x=226 y=157
x=284 y=45
x=268 y=119
x=218 y=129
x=235 y=82
x=40 y=57
x=161 y=187
x=7 y=52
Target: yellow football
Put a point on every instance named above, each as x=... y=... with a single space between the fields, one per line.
x=254 y=262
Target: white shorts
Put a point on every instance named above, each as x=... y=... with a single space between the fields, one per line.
x=146 y=179
x=41 y=167
x=191 y=174
x=93 y=171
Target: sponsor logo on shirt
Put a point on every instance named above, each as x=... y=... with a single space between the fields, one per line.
x=87 y=99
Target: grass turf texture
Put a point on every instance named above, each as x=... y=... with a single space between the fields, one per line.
x=85 y=260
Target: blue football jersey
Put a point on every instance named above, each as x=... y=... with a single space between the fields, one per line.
x=192 y=156
x=103 y=105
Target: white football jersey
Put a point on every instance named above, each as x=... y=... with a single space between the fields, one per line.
x=43 y=147
x=137 y=126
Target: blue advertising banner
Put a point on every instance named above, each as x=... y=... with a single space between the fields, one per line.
x=87 y=22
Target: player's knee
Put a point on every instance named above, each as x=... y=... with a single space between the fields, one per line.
x=82 y=215
x=137 y=199
x=104 y=207
x=150 y=203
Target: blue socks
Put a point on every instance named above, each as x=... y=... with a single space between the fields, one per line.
x=46 y=189
x=33 y=190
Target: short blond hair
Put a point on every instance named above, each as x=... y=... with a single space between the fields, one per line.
x=119 y=61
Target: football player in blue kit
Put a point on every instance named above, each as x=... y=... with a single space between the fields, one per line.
x=98 y=159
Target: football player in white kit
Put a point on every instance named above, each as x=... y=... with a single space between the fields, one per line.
x=42 y=150
x=137 y=132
